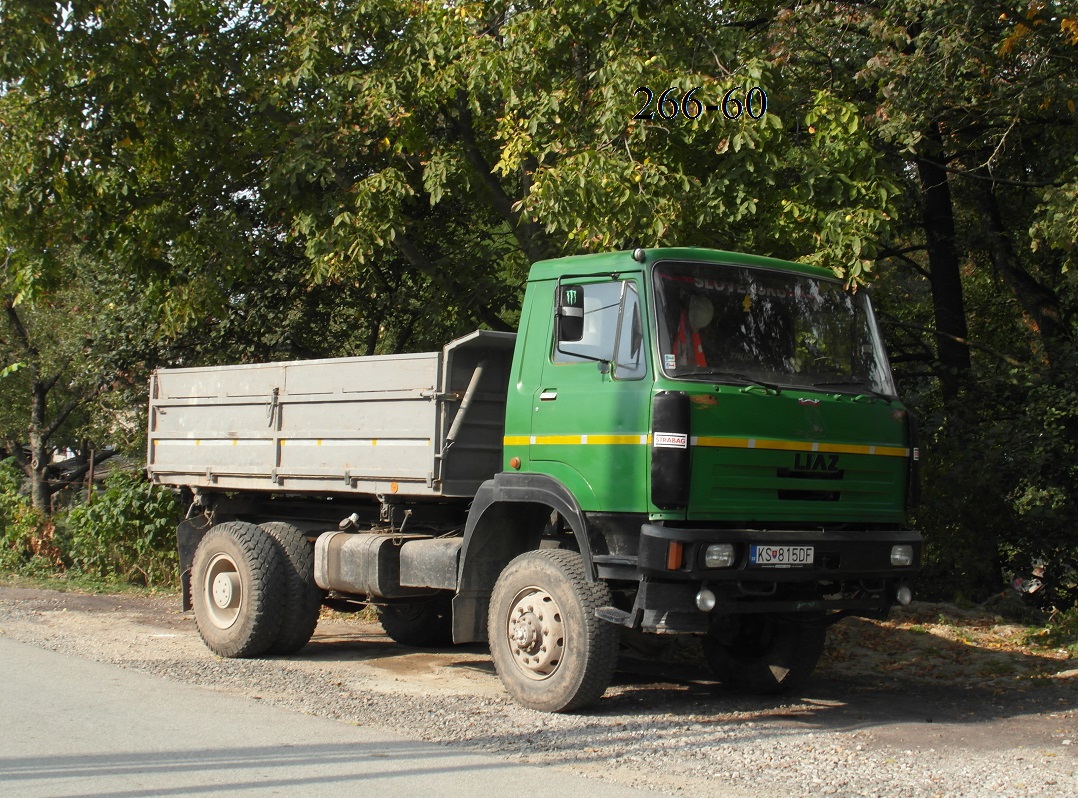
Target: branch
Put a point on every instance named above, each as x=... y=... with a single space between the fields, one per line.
x=421 y=262
x=987 y=178
x=61 y=417
x=966 y=342
x=18 y=451
x=67 y=410
x=1038 y=300
x=75 y=476
x=1050 y=25
x=919 y=375
x=900 y=254
x=17 y=326
x=749 y=24
x=917 y=347
x=527 y=233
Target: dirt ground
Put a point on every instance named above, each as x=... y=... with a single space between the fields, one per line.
x=933 y=681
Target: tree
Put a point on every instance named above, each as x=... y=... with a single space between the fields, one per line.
x=61 y=359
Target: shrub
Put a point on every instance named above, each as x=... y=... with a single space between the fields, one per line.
x=998 y=488
x=27 y=541
x=127 y=532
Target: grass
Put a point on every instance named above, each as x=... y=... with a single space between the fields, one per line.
x=76 y=582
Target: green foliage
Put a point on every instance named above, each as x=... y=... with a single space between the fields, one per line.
x=126 y=533
x=1061 y=632
x=26 y=537
x=1056 y=224
x=998 y=488
x=844 y=204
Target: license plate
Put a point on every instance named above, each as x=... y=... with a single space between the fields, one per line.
x=781 y=556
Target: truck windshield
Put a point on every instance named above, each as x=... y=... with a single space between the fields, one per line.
x=724 y=323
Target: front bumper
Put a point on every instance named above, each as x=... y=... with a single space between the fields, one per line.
x=844 y=555
x=851 y=574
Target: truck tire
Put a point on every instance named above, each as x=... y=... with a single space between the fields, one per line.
x=238 y=587
x=765 y=654
x=303 y=598
x=550 y=651
x=423 y=624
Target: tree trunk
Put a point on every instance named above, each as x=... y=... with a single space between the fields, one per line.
x=40 y=495
x=945 y=277
x=529 y=234
x=1040 y=303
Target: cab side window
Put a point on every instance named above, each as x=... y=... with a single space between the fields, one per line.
x=629 y=363
x=612 y=330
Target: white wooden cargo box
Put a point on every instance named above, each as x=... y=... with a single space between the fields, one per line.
x=385 y=424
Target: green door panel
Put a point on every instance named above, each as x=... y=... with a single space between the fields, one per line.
x=591 y=416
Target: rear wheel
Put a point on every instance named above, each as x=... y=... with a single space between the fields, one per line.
x=549 y=649
x=764 y=654
x=238 y=586
x=423 y=624
x=303 y=598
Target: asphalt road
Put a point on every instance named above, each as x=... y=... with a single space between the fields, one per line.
x=72 y=727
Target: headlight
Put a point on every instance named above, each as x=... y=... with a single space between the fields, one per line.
x=901 y=556
x=721 y=555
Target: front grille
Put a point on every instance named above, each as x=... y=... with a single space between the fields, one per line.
x=764 y=484
x=808 y=495
x=802 y=495
x=790 y=473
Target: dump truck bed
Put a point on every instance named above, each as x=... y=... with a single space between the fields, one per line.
x=377 y=425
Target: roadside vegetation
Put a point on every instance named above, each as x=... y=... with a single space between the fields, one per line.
x=121 y=536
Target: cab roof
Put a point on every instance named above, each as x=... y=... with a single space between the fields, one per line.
x=624 y=261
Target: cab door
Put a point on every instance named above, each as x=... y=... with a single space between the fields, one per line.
x=592 y=408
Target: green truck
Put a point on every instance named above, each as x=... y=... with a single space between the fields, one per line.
x=676 y=441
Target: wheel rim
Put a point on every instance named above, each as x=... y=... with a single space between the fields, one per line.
x=224 y=591
x=535 y=633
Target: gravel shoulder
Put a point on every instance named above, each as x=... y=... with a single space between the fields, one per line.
x=920 y=706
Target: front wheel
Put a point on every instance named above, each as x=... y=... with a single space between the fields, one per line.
x=550 y=651
x=238 y=589
x=764 y=654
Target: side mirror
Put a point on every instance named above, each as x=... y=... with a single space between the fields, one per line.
x=570 y=313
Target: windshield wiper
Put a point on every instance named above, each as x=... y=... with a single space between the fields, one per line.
x=732 y=375
x=855 y=384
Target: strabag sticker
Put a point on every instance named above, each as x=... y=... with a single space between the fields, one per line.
x=669 y=440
